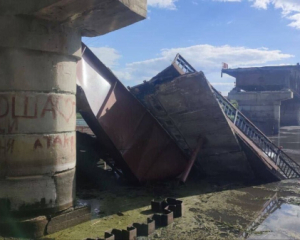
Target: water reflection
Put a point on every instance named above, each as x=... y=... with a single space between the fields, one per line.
x=276 y=220
x=94 y=204
x=81 y=122
x=289 y=139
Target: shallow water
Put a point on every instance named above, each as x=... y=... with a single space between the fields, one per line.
x=283 y=223
x=289 y=139
x=81 y=122
x=213 y=209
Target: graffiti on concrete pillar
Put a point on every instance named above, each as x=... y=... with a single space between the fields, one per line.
x=33 y=108
x=37 y=144
x=50 y=106
x=27 y=107
x=4 y=106
x=6 y=146
x=53 y=107
x=47 y=142
x=13 y=144
x=23 y=108
x=12 y=125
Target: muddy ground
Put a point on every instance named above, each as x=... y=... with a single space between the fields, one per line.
x=212 y=211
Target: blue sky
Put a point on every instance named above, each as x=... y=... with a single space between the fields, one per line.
x=205 y=32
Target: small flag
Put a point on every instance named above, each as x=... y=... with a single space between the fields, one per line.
x=225 y=66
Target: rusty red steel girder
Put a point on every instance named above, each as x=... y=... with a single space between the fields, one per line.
x=141 y=148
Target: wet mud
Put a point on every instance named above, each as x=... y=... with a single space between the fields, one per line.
x=212 y=209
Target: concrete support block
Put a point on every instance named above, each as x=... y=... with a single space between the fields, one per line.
x=37 y=115
x=39 y=35
x=68 y=219
x=290 y=112
x=145 y=229
x=90 y=17
x=262 y=108
x=158 y=206
x=31 y=228
x=34 y=195
x=108 y=235
x=176 y=206
x=31 y=66
x=41 y=154
x=163 y=219
x=32 y=112
x=129 y=234
x=39 y=49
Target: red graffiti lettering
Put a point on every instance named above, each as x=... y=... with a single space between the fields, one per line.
x=10 y=145
x=25 y=108
x=57 y=140
x=13 y=126
x=5 y=107
x=72 y=143
x=70 y=106
x=49 y=107
x=7 y=146
x=49 y=139
x=66 y=141
x=37 y=144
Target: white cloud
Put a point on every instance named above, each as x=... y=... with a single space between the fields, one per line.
x=109 y=56
x=206 y=58
x=295 y=20
x=290 y=9
x=168 y=4
x=261 y=3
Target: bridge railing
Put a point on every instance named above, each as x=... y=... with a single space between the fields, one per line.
x=288 y=167
x=183 y=64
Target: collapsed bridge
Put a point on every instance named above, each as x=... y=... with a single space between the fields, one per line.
x=161 y=128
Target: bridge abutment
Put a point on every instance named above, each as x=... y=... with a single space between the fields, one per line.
x=262 y=108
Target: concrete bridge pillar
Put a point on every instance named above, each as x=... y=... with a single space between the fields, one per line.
x=40 y=45
x=262 y=108
x=37 y=116
x=290 y=112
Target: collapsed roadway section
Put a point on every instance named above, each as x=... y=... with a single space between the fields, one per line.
x=163 y=127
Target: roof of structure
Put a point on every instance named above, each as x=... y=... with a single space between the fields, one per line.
x=234 y=71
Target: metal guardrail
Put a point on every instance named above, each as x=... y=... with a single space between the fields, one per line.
x=183 y=64
x=288 y=167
